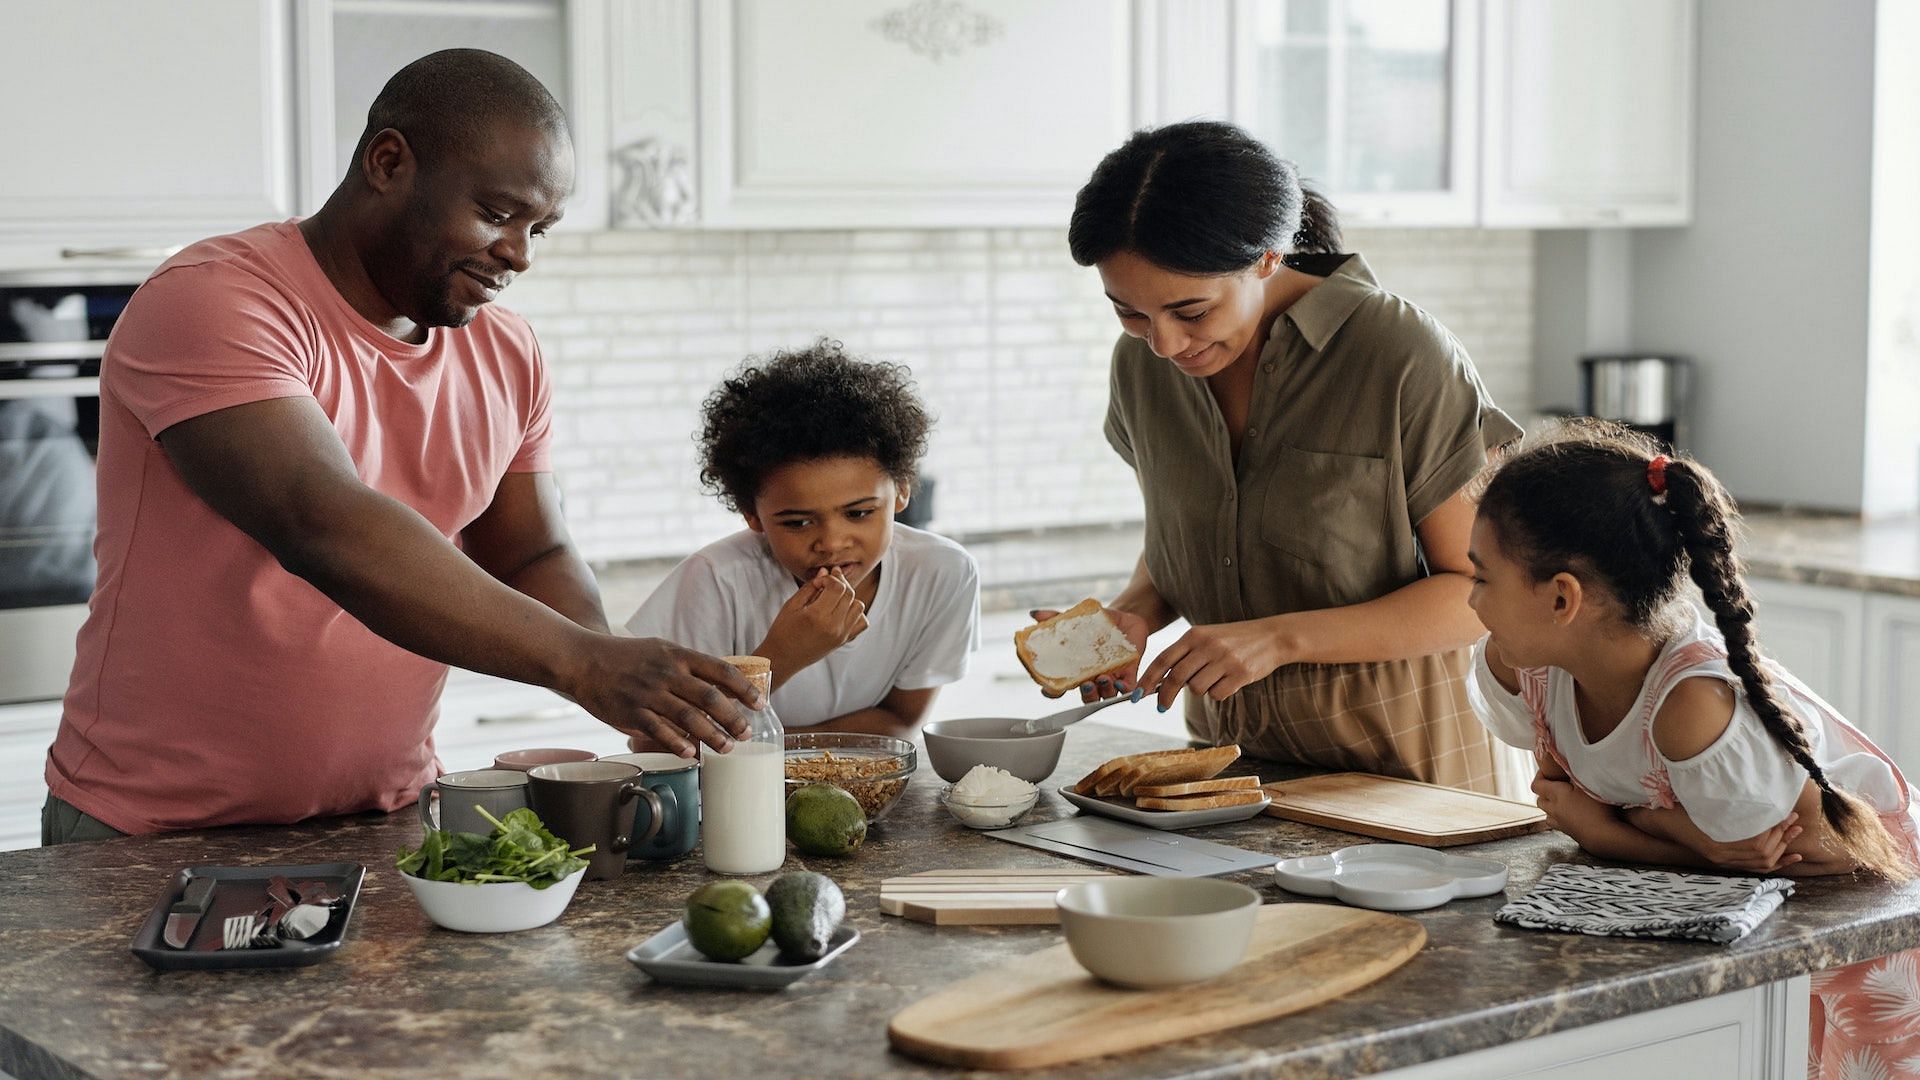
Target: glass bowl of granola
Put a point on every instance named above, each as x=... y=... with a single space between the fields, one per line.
x=871 y=768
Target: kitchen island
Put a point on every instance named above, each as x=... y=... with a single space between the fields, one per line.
x=403 y=996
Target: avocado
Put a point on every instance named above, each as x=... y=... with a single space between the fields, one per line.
x=727 y=920
x=824 y=820
x=807 y=909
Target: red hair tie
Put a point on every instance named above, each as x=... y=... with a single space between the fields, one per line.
x=1657 y=476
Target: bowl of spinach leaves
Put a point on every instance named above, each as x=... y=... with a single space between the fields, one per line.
x=516 y=877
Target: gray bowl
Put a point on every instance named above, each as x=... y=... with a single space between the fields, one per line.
x=954 y=746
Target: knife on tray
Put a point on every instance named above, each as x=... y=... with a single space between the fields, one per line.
x=187 y=912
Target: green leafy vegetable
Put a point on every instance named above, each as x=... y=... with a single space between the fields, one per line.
x=518 y=849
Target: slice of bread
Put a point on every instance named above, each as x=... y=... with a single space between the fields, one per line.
x=1197 y=787
x=1201 y=802
x=1179 y=767
x=1106 y=779
x=1079 y=644
x=1124 y=775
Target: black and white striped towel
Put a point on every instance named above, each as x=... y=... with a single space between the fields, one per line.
x=1614 y=901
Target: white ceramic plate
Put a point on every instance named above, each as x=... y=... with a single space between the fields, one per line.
x=1163 y=819
x=1391 y=877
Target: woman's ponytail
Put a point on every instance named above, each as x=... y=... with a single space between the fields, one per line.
x=1319 y=232
x=1703 y=513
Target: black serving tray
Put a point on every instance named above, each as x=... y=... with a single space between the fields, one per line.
x=242 y=890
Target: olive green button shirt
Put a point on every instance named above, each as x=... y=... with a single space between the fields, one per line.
x=1366 y=416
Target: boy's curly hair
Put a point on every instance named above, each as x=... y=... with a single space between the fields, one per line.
x=805 y=405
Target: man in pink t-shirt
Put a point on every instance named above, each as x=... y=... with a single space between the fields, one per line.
x=324 y=476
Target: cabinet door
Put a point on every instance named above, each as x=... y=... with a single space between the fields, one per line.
x=133 y=123
x=1759 y=1033
x=1374 y=100
x=352 y=47
x=26 y=730
x=1588 y=113
x=1818 y=634
x=908 y=113
x=1893 y=678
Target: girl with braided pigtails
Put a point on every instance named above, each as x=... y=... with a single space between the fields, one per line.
x=1662 y=739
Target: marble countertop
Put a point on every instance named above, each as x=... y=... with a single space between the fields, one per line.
x=1842 y=552
x=404 y=997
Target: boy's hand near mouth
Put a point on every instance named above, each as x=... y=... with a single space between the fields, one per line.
x=822 y=615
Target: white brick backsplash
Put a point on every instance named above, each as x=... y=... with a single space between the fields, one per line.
x=1008 y=341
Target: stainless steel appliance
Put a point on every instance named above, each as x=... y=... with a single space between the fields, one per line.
x=53 y=329
x=1649 y=393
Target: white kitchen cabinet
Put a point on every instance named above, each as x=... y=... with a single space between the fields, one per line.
x=1893 y=678
x=350 y=48
x=481 y=716
x=1755 y=1034
x=867 y=113
x=132 y=127
x=1588 y=113
x=1375 y=100
x=26 y=730
x=1816 y=632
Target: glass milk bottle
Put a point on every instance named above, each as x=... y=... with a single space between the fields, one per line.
x=743 y=792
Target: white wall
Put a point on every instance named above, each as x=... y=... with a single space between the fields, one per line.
x=1893 y=299
x=1767 y=289
x=1008 y=339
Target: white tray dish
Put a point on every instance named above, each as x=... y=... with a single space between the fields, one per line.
x=670 y=958
x=1124 y=810
x=1391 y=877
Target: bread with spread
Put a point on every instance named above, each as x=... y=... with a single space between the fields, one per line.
x=1076 y=646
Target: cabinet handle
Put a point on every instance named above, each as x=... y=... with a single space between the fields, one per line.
x=532 y=716
x=155 y=254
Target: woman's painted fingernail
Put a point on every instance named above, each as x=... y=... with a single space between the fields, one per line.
x=1162 y=706
x=1086 y=688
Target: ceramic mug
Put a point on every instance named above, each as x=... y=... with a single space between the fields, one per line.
x=523 y=760
x=677 y=781
x=585 y=802
x=500 y=791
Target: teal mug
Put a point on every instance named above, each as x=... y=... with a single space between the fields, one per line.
x=676 y=780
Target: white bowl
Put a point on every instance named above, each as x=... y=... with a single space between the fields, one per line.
x=988 y=813
x=495 y=907
x=1148 y=932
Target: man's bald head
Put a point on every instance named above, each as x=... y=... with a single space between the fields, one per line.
x=451 y=100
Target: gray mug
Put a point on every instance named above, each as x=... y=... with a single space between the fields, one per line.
x=676 y=780
x=587 y=802
x=500 y=791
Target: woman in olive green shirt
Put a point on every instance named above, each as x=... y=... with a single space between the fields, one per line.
x=1302 y=439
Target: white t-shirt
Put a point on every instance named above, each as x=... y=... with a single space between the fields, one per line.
x=921 y=626
x=1741 y=785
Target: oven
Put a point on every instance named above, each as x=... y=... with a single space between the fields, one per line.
x=53 y=329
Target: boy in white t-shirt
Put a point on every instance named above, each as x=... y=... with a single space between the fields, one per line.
x=864 y=619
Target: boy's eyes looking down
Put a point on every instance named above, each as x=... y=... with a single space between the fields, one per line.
x=797 y=523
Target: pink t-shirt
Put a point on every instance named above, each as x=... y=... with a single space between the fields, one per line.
x=213 y=687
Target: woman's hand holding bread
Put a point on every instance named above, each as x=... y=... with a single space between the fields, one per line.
x=1103 y=677
x=822 y=615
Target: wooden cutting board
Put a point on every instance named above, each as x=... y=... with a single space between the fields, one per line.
x=1044 y=1009
x=1405 y=811
x=980 y=897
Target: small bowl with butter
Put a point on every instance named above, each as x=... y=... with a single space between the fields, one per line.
x=989 y=798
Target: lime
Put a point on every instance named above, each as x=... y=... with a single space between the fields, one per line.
x=727 y=920
x=824 y=820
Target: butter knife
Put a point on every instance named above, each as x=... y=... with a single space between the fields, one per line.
x=187 y=912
